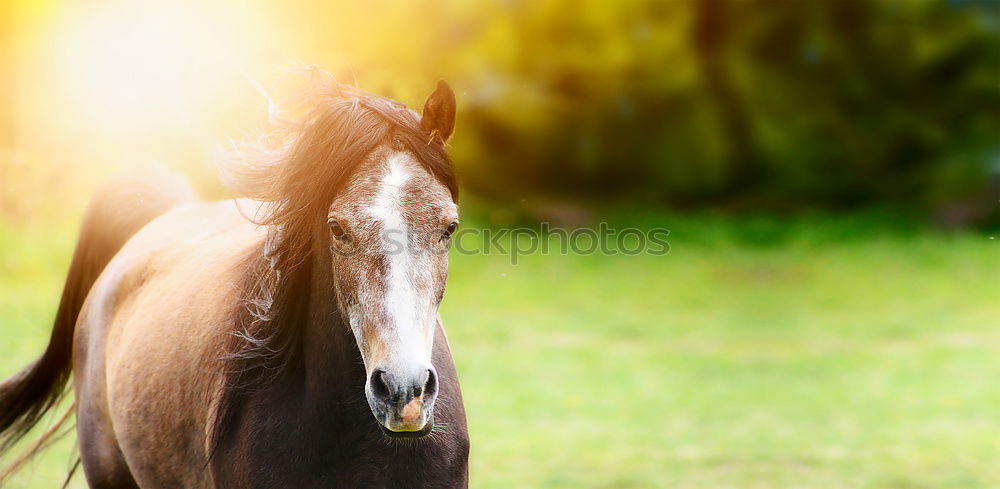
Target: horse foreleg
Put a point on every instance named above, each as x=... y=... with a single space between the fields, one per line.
x=103 y=463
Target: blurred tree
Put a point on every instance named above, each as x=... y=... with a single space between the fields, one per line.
x=709 y=39
x=749 y=103
x=827 y=102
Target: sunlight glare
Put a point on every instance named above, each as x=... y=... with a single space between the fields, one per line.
x=139 y=65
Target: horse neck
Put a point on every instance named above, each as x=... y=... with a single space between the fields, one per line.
x=331 y=359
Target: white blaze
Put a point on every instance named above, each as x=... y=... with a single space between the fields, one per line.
x=401 y=303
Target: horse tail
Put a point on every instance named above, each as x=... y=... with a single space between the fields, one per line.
x=119 y=209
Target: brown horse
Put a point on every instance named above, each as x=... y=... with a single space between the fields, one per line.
x=289 y=341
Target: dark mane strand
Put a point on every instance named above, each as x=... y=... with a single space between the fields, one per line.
x=298 y=178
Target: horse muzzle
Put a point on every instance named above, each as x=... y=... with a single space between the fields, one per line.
x=403 y=400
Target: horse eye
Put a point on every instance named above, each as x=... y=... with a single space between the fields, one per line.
x=451 y=229
x=336 y=229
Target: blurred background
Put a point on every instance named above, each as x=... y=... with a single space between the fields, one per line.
x=829 y=314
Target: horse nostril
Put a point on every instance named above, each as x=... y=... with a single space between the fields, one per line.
x=380 y=389
x=430 y=387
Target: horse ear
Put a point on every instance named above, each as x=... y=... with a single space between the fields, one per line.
x=439 y=112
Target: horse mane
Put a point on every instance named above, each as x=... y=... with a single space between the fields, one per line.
x=297 y=177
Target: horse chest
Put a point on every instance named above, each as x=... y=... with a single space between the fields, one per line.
x=340 y=447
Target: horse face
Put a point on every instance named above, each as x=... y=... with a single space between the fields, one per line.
x=389 y=233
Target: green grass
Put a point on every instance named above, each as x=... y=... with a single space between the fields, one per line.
x=837 y=355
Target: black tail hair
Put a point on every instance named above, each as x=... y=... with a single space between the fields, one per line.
x=118 y=211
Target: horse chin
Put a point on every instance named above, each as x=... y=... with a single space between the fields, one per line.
x=426 y=430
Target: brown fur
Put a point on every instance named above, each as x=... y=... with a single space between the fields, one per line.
x=214 y=352
x=119 y=209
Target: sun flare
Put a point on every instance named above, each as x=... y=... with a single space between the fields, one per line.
x=143 y=64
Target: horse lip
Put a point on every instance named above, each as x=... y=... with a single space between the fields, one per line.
x=426 y=430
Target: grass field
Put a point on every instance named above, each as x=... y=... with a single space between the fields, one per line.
x=819 y=354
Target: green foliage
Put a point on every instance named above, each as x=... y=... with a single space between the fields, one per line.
x=778 y=104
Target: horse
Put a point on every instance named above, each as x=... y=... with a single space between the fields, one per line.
x=287 y=339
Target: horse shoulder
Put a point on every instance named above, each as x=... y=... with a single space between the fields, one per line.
x=153 y=326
